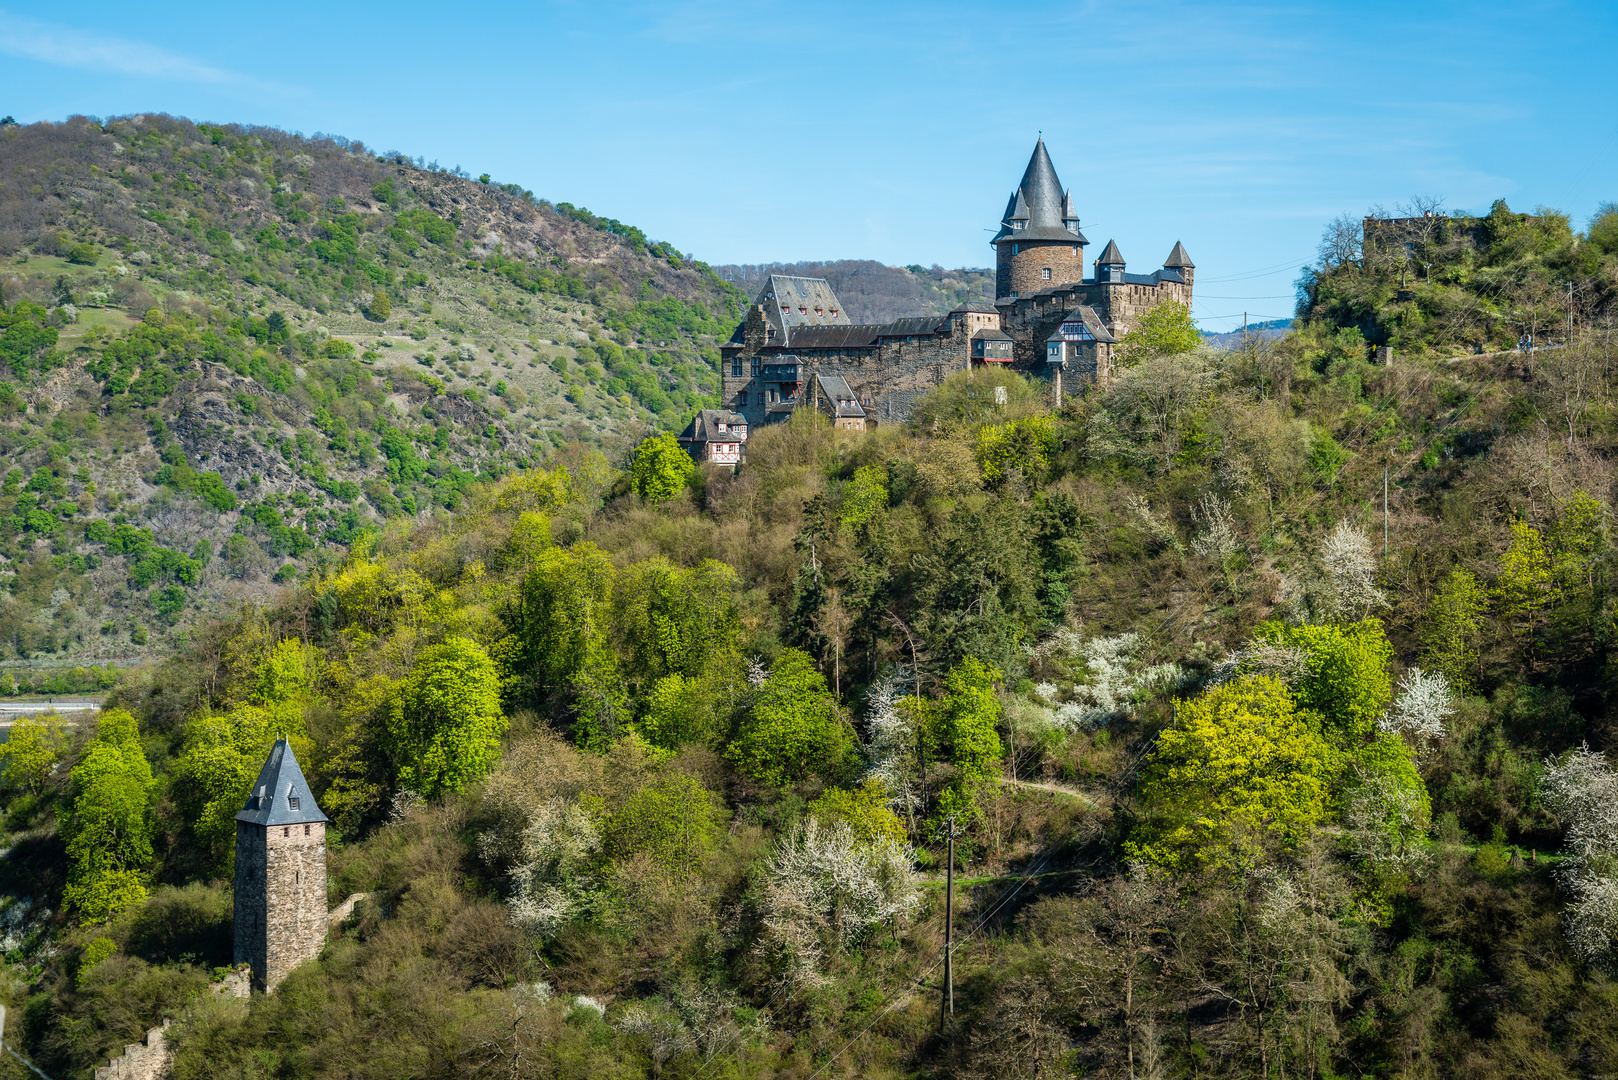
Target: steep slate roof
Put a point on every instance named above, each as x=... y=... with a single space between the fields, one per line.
x=704 y=427
x=1110 y=255
x=991 y=335
x=800 y=296
x=1178 y=257
x=839 y=395
x=921 y=324
x=852 y=336
x=1041 y=201
x=279 y=782
x=978 y=306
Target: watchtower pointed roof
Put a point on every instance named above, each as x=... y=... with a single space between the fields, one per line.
x=1041 y=202
x=1178 y=257
x=1110 y=255
x=281 y=795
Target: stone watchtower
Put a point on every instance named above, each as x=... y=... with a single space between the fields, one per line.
x=1039 y=245
x=280 y=872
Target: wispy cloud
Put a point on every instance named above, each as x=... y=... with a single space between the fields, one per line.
x=69 y=47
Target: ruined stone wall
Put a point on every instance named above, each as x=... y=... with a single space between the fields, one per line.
x=140 y=1062
x=1023 y=273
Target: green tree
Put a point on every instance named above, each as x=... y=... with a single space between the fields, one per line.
x=865 y=808
x=1450 y=628
x=660 y=468
x=960 y=726
x=380 y=307
x=1239 y=765
x=794 y=729
x=1166 y=329
x=30 y=752
x=672 y=820
x=1527 y=581
x=445 y=721
x=109 y=828
x=1024 y=446
x=865 y=496
x=563 y=624
x=219 y=761
x=1345 y=677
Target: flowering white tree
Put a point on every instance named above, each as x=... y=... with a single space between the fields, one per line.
x=891 y=740
x=1424 y=703
x=1348 y=565
x=1116 y=680
x=824 y=890
x=547 y=863
x=1582 y=790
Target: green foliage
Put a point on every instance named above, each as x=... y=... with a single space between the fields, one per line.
x=1451 y=626
x=29 y=753
x=1165 y=329
x=1238 y=768
x=1527 y=581
x=960 y=726
x=660 y=468
x=865 y=496
x=1024 y=446
x=794 y=729
x=564 y=629
x=865 y=809
x=95 y=952
x=109 y=828
x=1345 y=680
x=671 y=821
x=445 y=721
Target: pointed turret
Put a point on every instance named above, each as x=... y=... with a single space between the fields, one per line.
x=1040 y=208
x=281 y=795
x=1110 y=264
x=1178 y=258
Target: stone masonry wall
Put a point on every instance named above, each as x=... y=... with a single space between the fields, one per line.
x=280 y=898
x=250 y=899
x=140 y=1062
x=1022 y=273
x=295 y=890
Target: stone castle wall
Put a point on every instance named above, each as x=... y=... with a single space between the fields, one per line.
x=1023 y=273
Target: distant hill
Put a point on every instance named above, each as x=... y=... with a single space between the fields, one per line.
x=226 y=351
x=873 y=292
x=1274 y=328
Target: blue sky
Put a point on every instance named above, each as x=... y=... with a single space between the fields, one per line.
x=744 y=132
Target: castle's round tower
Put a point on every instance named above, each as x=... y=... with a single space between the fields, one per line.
x=1039 y=245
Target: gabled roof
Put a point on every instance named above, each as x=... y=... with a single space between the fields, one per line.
x=978 y=306
x=839 y=395
x=1178 y=257
x=988 y=334
x=1110 y=255
x=1091 y=321
x=920 y=324
x=801 y=297
x=704 y=427
x=279 y=782
x=851 y=336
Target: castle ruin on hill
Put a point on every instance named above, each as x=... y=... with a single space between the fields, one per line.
x=798 y=347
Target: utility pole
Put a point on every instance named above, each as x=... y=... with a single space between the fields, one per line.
x=1384 y=515
x=946 y=1006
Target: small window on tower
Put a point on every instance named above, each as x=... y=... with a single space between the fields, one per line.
x=286 y=830
x=736 y=368
x=294 y=802
x=1045 y=273
x=306 y=830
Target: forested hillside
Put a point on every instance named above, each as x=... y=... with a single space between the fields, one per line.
x=226 y=351
x=647 y=771
x=874 y=293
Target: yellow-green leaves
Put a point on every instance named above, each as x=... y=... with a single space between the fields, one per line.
x=1240 y=766
x=865 y=496
x=1527 y=581
x=1346 y=673
x=660 y=468
x=794 y=729
x=1024 y=447
x=1166 y=329
x=109 y=830
x=30 y=752
x=445 y=722
x=1450 y=628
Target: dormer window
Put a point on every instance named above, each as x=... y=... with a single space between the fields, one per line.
x=834 y=313
x=294 y=802
x=786 y=309
x=818 y=311
x=803 y=311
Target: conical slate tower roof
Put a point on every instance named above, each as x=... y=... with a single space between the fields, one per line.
x=1110 y=255
x=1178 y=257
x=1041 y=200
x=281 y=795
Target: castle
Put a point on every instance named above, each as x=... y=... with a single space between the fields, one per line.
x=798 y=347
x=280 y=872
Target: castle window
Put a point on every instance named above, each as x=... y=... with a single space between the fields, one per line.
x=306 y=830
x=803 y=311
x=741 y=400
x=286 y=830
x=756 y=363
x=1016 y=248
x=786 y=309
x=1045 y=273
x=736 y=368
x=834 y=313
x=297 y=877
x=818 y=311
x=294 y=802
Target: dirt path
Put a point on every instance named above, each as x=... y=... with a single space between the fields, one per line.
x=1058 y=789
